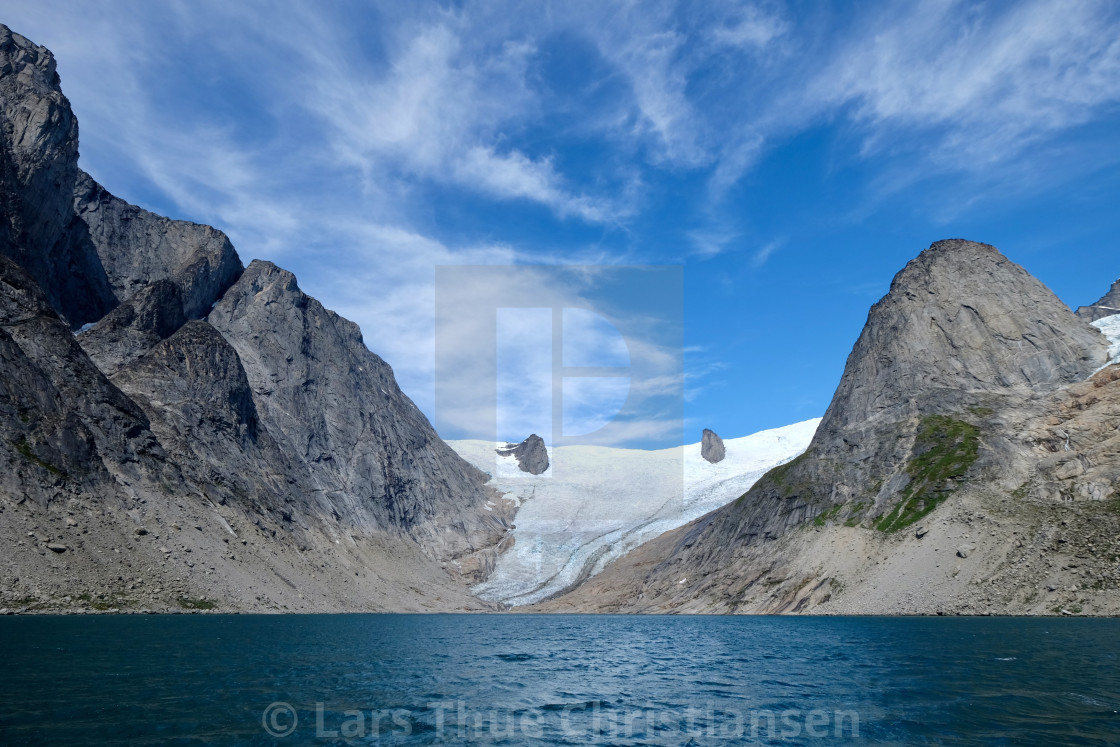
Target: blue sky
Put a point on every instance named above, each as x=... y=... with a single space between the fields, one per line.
x=792 y=157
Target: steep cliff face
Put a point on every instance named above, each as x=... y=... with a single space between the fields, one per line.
x=38 y=173
x=955 y=395
x=152 y=314
x=64 y=428
x=86 y=249
x=195 y=392
x=137 y=248
x=371 y=457
x=150 y=379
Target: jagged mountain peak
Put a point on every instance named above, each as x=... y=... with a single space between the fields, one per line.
x=88 y=250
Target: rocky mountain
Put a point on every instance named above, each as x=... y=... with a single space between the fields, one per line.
x=151 y=382
x=1109 y=305
x=969 y=461
x=181 y=432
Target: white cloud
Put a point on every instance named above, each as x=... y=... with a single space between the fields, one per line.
x=711 y=242
x=993 y=84
x=439 y=111
x=751 y=27
x=758 y=259
x=514 y=175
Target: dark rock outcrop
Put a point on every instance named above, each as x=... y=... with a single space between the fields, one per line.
x=531 y=454
x=64 y=428
x=196 y=395
x=711 y=447
x=87 y=250
x=1109 y=305
x=137 y=248
x=38 y=172
x=152 y=314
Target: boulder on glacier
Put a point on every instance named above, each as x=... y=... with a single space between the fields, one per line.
x=532 y=456
x=711 y=447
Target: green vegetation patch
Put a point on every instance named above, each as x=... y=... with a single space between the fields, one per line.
x=946 y=449
x=781 y=478
x=104 y=602
x=827 y=515
x=197 y=604
x=856 y=513
x=25 y=448
x=780 y=475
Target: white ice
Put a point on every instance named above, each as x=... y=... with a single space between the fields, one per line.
x=595 y=503
x=1110 y=326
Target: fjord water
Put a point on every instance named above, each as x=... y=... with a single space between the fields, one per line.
x=524 y=679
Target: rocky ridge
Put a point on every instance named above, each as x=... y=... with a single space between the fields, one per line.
x=197 y=393
x=967 y=463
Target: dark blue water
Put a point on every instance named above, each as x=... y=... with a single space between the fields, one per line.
x=512 y=679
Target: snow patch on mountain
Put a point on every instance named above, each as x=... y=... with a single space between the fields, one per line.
x=596 y=503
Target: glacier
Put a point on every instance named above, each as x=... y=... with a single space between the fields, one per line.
x=596 y=503
x=1110 y=326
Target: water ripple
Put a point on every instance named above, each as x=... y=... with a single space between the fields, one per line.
x=512 y=679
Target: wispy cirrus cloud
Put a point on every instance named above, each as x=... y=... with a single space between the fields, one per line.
x=353 y=142
x=992 y=83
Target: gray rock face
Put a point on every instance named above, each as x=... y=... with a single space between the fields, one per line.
x=532 y=456
x=370 y=455
x=64 y=428
x=86 y=249
x=711 y=447
x=38 y=171
x=195 y=392
x=1109 y=305
x=152 y=314
x=961 y=330
x=198 y=383
x=137 y=248
x=960 y=317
